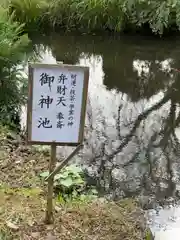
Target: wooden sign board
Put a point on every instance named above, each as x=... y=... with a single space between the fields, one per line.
x=57 y=104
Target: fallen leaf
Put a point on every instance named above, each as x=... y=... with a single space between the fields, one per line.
x=12 y=225
x=30 y=223
x=50 y=237
x=50 y=227
x=57 y=209
x=35 y=235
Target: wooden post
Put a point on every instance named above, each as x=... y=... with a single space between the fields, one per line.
x=49 y=219
x=63 y=163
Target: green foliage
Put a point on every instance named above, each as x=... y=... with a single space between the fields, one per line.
x=69 y=177
x=76 y=198
x=148 y=235
x=4 y=130
x=85 y=15
x=27 y=11
x=5 y=235
x=70 y=185
x=156 y=14
x=93 y=15
x=13 y=44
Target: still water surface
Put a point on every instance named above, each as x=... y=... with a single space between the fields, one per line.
x=134 y=84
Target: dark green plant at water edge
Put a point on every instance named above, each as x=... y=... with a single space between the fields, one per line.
x=90 y=15
x=13 y=44
x=29 y=12
x=70 y=185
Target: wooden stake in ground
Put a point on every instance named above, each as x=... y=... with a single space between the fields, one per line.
x=63 y=163
x=49 y=219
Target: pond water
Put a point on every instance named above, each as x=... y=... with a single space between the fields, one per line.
x=132 y=129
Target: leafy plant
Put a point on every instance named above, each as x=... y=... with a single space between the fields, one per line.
x=70 y=184
x=91 y=15
x=28 y=12
x=13 y=44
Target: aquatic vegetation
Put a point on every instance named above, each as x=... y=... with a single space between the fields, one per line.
x=28 y=11
x=103 y=15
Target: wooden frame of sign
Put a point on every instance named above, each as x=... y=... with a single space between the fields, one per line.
x=32 y=82
x=50 y=123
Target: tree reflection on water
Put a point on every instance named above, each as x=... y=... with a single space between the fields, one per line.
x=131 y=137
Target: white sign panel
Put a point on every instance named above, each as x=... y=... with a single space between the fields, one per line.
x=57 y=103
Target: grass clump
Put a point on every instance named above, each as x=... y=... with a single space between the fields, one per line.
x=29 y=12
x=70 y=185
x=13 y=44
x=89 y=16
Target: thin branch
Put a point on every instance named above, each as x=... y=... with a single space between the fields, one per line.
x=118 y=123
x=141 y=117
x=64 y=163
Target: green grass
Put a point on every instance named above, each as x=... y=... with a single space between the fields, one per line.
x=28 y=11
x=86 y=15
x=89 y=16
